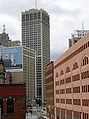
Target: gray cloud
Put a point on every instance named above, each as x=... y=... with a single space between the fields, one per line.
x=65 y=16
x=15 y=7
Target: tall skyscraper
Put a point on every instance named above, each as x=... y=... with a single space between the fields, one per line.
x=36 y=35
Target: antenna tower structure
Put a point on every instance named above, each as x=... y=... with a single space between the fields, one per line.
x=82 y=25
x=36 y=4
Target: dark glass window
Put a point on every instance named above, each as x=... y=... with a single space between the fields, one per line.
x=39 y=91
x=31 y=16
x=10 y=106
x=45 y=18
x=39 y=15
x=27 y=17
x=23 y=18
x=35 y=15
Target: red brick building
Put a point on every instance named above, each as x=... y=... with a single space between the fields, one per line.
x=49 y=76
x=12 y=101
x=71 y=79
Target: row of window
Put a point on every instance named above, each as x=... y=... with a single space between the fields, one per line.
x=85 y=102
x=75 y=66
x=76 y=77
x=10 y=105
x=68 y=90
x=50 y=79
x=31 y=16
x=85 y=89
x=79 y=50
x=76 y=115
x=35 y=16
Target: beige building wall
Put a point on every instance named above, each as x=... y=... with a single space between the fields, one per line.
x=71 y=76
x=17 y=77
x=14 y=43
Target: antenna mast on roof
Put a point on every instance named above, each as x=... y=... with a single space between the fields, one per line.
x=4 y=29
x=82 y=25
x=36 y=4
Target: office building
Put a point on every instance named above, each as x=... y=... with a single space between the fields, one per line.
x=49 y=77
x=71 y=82
x=20 y=61
x=36 y=35
x=76 y=36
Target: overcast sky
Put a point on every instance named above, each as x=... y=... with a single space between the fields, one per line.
x=65 y=17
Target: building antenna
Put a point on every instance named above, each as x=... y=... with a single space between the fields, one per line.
x=82 y=26
x=4 y=29
x=36 y=4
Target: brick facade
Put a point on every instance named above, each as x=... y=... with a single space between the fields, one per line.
x=16 y=93
x=71 y=82
x=49 y=76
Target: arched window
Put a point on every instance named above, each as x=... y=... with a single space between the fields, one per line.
x=67 y=69
x=75 y=65
x=57 y=74
x=85 y=61
x=61 y=72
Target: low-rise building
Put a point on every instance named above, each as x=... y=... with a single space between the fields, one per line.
x=12 y=101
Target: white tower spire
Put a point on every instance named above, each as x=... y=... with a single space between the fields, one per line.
x=4 y=29
x=35 y=3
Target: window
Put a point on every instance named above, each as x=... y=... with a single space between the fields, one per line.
x=62 y=100
x=68 y=90
x=76 y=102
x=85 y=75
x=1 y=105
x=67 y=69
x=76 y=89
x=61 y=81
x=75 y=66
x=68 y=80
x=23 y=18
x=68 y=101
x=61 y=72
x=76 y=77
x=10 y=106
x=77 y=115
x=62 y=91
x=57 y=74
x=27 y=17
x=85 y=61
x=31 y=16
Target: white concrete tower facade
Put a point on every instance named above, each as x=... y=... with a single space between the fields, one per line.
x=36 y=35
